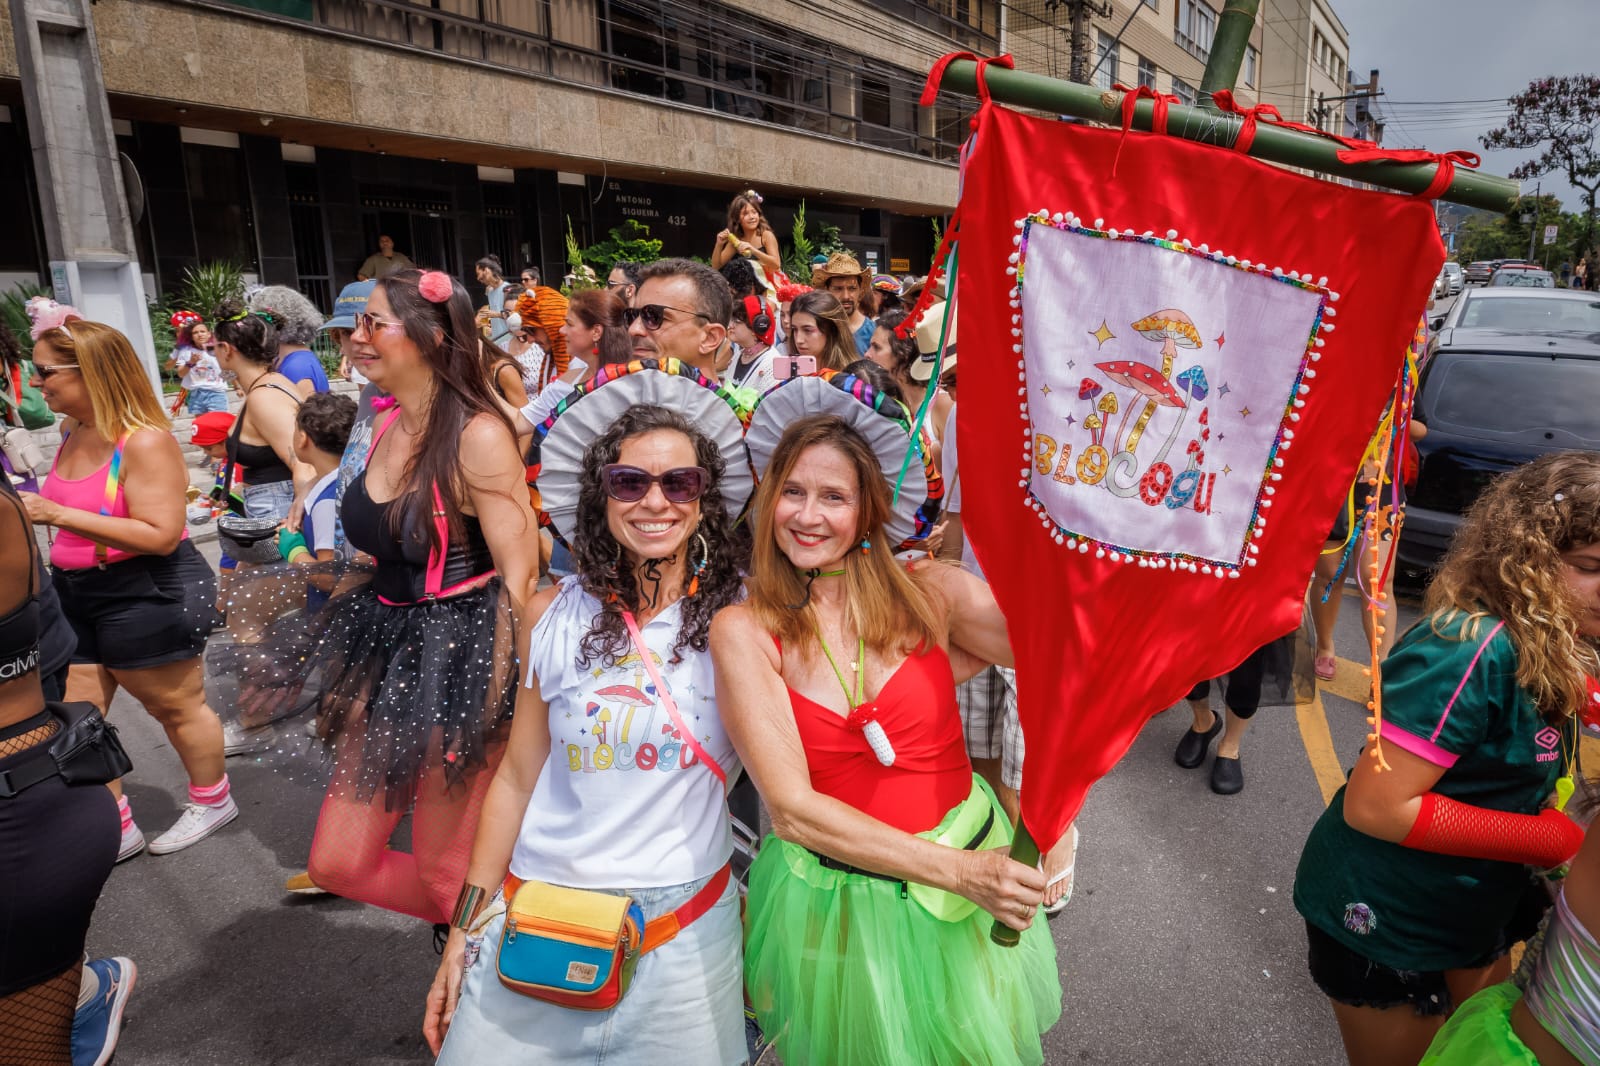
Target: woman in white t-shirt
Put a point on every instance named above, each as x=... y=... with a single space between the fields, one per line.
x=605 y=785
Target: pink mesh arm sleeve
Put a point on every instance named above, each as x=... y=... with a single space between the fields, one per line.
x=1446 y=827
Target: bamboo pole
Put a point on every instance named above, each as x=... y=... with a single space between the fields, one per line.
x=1272 y=143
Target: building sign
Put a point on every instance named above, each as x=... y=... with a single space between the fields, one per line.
x=899 y=266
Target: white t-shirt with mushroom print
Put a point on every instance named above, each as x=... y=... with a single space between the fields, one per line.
x=622 y=802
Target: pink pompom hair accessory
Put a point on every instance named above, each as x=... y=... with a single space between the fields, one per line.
x=435 y=286
x=46 y=315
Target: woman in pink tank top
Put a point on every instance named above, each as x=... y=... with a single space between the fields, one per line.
x=140 y=598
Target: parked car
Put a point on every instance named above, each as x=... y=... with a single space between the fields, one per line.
x=1517 y=312
x=1478 y=273
x=1494 y=396
x=1523 y=276
x=1456 y=276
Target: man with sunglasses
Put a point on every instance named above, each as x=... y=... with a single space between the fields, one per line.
x=680 y=311
x=623 y=281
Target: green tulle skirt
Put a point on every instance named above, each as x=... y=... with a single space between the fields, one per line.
x=844 y=971
x=1479 y=1033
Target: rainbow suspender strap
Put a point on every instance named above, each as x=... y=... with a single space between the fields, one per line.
x=113 y=486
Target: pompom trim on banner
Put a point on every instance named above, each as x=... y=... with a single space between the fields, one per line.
x=1272 y=473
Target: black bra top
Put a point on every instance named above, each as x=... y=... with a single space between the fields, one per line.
x=19 y=628
x=258 y=464
x=403 y=562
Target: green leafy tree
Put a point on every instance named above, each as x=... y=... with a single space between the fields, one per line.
x=205 y=287
x=579 y=274
x=628 y=243
x=797 y=263
x=1560 y=116
x=13 y=306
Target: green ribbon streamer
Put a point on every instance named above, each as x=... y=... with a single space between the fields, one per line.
x=933 y=379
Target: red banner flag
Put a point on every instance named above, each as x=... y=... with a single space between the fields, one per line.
x=1174 y=363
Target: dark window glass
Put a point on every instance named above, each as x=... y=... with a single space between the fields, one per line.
x=1533 y=315
x=21 y=242
x=1511 y=395
x=219 y=203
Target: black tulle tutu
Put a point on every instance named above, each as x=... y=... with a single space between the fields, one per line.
x=398 y=691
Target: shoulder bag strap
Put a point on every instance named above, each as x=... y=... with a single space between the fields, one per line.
x=670 y=704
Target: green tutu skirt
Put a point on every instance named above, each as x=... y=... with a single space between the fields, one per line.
x=1479 y=1033
x=842 y=970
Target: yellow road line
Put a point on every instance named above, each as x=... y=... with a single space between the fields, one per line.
x=1313 y=721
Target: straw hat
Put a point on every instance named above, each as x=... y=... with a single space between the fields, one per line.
x=839 y=265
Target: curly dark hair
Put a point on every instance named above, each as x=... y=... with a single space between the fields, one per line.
x=598 y=556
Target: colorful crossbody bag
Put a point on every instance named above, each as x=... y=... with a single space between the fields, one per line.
x=577 y=948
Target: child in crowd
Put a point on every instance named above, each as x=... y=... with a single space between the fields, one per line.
x=322 y=429
x=204 y=387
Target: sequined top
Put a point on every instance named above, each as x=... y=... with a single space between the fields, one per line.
x=1564 y=995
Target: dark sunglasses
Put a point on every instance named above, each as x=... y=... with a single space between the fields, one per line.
x=47 y=372
x=655 y=315
x=629 y=484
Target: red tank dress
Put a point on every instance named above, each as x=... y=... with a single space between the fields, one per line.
x=917 y=709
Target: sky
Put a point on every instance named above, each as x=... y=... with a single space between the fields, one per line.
x=1446 y=67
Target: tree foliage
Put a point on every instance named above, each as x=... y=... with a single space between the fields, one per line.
x=628 y=243
x=1561 y=117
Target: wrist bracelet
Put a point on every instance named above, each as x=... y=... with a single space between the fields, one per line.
x=468 y=904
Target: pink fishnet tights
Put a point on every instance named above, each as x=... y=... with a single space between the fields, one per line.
x=351 y=857
x=36 y=1023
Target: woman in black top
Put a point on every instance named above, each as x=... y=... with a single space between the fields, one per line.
x=418 y=667
x=261 y=448
x=58 y=842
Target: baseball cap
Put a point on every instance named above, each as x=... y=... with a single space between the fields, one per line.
x=351 y=302
x=210 y=428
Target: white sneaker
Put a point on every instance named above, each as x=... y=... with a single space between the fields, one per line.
x=132 y=843
x=236 y=740
x=197 y=822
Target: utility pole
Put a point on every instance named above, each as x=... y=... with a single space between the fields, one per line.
x=1080 y=48
x=1533 y=221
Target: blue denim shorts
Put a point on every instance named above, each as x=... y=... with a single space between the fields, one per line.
x=684 y=1005
x=271 y=500
x=199 y=401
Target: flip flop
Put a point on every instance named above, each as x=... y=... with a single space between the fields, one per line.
x=1325 y=666
x=1072 y=865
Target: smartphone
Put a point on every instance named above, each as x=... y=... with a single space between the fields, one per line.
x=785 y=367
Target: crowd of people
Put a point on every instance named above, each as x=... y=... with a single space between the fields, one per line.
x=583 y=583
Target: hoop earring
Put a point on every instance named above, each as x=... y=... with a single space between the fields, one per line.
x=700 y=567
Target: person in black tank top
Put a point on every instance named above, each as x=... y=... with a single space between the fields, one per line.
x=58 y=842
x=417 y=665
x=246 y=346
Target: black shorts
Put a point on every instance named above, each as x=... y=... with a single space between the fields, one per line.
x=58 y=843
x=145 y=611
x=1348 y=977
x=1341 y=525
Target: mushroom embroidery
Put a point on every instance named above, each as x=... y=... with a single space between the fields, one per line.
x=1174 y=329
x=1146 y=381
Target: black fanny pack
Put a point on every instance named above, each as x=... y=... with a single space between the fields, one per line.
x=86 y=751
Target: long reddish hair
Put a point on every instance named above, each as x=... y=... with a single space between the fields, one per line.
x=892 y=609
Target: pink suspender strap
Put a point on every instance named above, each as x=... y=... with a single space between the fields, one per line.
x=670 y=704
x=433 y=583
x=388 y=420
x=1470 y=667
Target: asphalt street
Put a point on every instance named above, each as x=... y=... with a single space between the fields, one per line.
x=1181 y=944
